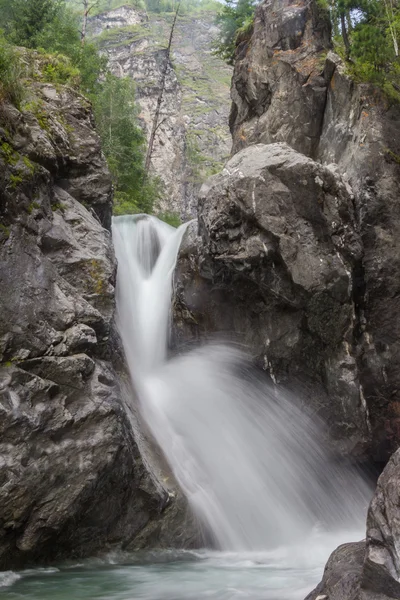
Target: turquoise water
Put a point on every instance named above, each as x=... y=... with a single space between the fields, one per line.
x=285 y=574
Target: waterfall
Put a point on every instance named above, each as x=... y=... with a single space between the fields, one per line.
x=250 y=462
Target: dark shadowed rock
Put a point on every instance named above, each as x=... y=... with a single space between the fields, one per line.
x=73 y=481
x=381 y=572
x=342 y=574
x=278 y=248
x=287 y=87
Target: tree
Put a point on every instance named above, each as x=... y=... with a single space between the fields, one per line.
x=87 y=8
x=161 y=93
x=235 y=18
x=123 y=143
x=25 y=20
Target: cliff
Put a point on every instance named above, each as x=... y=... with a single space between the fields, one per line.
x=340 y=352
x=297 y=253
x=74 y=475
x=192 y=140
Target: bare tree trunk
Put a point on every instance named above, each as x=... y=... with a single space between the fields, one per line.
x=160 y=95
x=390 y=15
x=344 y=34
x=87 y=7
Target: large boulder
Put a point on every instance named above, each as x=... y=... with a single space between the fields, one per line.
x=73 y=481
x=289 y=87
x=276 y=263
x=369 y=570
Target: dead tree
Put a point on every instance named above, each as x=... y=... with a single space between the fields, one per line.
x=87 y=7
x=160 y=95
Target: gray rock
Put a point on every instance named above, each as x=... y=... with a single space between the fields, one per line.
x=286 y=87
x=192 y=138
x=381 y=572
x=279 y=245
x=73 y=480
x=278 y=93
x=342 y=574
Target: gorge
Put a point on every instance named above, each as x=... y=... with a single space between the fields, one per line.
x=202 y=411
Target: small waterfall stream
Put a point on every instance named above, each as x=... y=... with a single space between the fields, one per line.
x=250 y=462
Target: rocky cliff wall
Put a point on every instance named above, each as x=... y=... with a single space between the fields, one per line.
x=192 y=139
x=73 y=478
x=289 y=87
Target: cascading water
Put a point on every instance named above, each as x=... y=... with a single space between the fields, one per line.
x=251 y=464
x=249 y=461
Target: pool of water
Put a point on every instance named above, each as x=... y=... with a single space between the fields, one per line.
x=282 y=574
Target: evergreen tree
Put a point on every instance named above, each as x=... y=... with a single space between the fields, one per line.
x=25 y=20
x=234 y=19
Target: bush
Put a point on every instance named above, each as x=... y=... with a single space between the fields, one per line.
x=236 y=22
x=11 y=86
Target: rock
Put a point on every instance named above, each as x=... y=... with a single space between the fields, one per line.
x=381 y=571
x=73 y=480
x=278 y=92
x=192 y=139
x=342 y=574
x=279 y=245
x=369 y=570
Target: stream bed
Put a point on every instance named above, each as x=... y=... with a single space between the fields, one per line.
x=281 y=574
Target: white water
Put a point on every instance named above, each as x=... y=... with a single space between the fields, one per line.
x=249 y=461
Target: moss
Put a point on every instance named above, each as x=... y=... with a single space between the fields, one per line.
x=96 y=273
x=58 y=206
x=10 y=156
x=16 y=180
x=33 y=206
x=5 y=231
x=29 y=165
x=392 y=155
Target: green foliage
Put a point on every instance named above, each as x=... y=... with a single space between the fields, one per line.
x=25 y=20
x=235 y=21
x=123 y=144
x=172 y=218
x=367 y=35
x=11 y=87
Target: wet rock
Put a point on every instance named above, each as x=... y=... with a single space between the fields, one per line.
x=278 y=247
x=381 y=571
x=342 y=574
x=289 y=87
x=72 y=478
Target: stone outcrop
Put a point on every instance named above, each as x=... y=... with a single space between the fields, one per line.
x=279 y=242
x=73 y=480
x=369 y=570
x=192 y=140
x=289 y=87
x=278 y=90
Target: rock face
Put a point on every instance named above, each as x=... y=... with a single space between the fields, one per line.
x=278 y=91
x=279 y=237
x=288 y=87
x=369 y=570
x=192 y=140
x=342 y=574
x=73 y=481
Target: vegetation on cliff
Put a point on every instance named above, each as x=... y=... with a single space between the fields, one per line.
x=53 y=28
x=235 y=19
x=366 y=33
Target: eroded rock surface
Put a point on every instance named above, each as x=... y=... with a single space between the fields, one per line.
x=192 y=140
x=278 y=248
x=72 y=478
